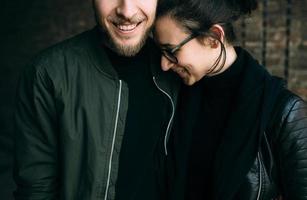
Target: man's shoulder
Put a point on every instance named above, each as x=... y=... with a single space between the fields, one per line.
x=64 y=52
x=63 y=59
x=68 y=46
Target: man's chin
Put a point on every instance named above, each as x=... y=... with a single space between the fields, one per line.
x=127 y=48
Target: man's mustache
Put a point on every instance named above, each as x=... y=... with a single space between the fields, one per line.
x=123 y=20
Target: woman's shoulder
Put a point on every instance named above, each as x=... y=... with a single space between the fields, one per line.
x=289 y=143
x=291 y=107
x=289 y=118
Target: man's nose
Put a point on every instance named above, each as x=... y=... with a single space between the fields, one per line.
x=166 y=64
x=127 y=8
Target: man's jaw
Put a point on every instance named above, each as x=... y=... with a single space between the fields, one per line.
x=125 y=37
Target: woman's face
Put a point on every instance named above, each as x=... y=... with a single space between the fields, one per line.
x=195 y=57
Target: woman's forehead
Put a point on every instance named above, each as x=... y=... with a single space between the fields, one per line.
x=168 y=32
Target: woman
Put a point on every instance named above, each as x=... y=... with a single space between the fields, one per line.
x=238 y=133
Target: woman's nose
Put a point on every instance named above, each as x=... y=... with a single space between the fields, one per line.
x=166 y=64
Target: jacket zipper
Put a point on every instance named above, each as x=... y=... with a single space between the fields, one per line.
x=171 y=119
x=260 y=176
x=113 y=140
x=270 y=153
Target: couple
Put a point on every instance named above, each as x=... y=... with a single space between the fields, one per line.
x=112 y=114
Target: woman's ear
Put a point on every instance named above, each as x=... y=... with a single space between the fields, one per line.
x=214 y=43
x=219 y=34
x=216 y=35
x=210 y=41
x=218 y=31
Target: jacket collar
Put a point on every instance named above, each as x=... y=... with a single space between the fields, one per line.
x=168 y=81
x=98 y=56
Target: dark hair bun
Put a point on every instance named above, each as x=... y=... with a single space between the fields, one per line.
x=245 y=6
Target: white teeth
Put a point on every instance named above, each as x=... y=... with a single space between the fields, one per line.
x=129 y=27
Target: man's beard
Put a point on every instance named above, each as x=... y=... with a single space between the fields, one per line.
x=121 y=49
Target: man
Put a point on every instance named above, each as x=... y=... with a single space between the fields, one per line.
x=94 y=112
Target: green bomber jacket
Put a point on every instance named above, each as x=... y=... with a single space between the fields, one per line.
x=70 y=118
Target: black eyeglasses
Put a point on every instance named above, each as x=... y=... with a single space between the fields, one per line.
x=169 y=53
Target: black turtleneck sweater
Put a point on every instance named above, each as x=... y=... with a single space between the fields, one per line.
x=144 y=125
x=203 y=110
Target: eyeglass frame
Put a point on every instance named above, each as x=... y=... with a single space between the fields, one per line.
x=169 y=52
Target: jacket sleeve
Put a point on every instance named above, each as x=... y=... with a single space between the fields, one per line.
x=292 y=150
x=35 y=170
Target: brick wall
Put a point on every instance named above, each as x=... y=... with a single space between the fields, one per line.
x=253 y=34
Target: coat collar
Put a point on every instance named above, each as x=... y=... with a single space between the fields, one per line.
x=96 y=50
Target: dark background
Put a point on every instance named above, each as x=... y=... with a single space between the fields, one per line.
x=276 y=35
x=26 y=28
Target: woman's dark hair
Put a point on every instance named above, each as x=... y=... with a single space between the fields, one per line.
x=198 y=17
